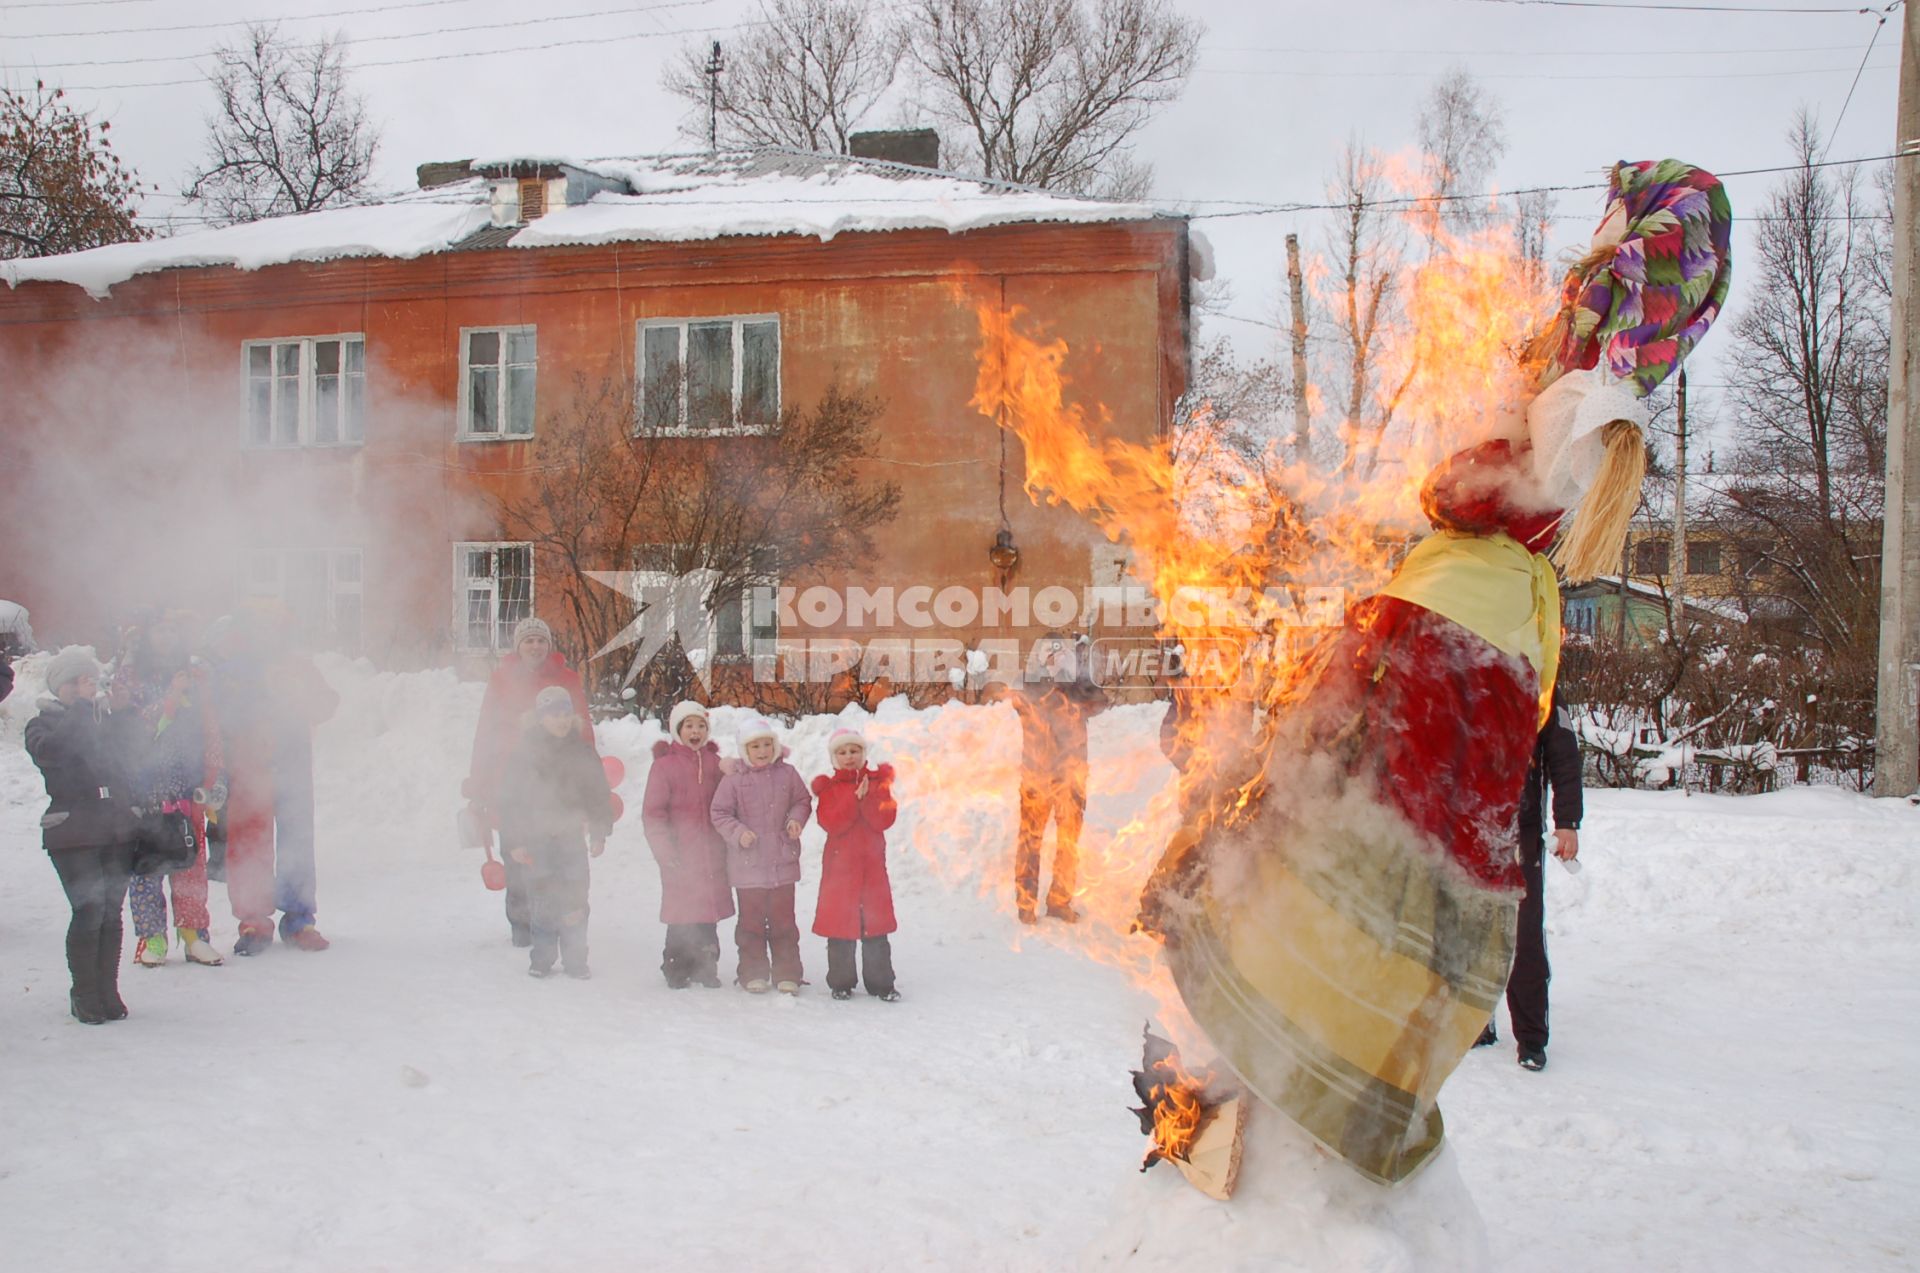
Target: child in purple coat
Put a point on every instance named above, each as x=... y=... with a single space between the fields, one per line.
x=759 y=811
x=692 y=857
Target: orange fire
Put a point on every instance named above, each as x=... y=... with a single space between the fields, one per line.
x=1199 y=516
x=1178 y=1113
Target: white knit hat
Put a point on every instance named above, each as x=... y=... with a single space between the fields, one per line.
x=757 y=727
x=72 y=663
x=531 y=626
x=681 y=713
x=845 y=734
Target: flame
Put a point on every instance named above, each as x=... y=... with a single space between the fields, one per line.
x=1197 y=513
x=1178 y=1113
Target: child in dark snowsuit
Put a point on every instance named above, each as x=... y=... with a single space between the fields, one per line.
x=855 y=805
x=759 y=810
x=554 y=787
x=87 y=754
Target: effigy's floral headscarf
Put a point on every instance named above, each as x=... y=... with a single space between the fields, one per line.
x=1632 y=308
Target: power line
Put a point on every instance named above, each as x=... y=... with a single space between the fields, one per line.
x=69 y=4
x=1676 y=8
x=449 y=57
x=1877 y=29
x=1530 y=53
x=229 y=22
x=1316 y=73
x=413 y=35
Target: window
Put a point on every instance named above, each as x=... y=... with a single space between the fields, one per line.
x=1754 y=562
x=717 y=375
x=735 y=625
x=306 y=392
x=1703 y=558
x=1650 y=557
x=493 y=592
x=497 y=370
x=321 y=587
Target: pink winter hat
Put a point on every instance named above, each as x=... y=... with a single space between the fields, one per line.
x=757 y=727
x=845 y=734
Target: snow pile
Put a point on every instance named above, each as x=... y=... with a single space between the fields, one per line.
x=402 y=228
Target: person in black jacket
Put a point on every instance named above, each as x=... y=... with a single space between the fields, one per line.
x=85 y=752
x=1556 y=763
x=554 y=788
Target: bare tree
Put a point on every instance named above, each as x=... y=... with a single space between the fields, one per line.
x=1367 y=252
x=62 y=187
x=288 y=135
x=1050 y=92
x=746 y=509
x=1462 y=134
x=1532 y=232
x=804 y=74
x=1808 y=368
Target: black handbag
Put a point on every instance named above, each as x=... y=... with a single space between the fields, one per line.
x=163 y=842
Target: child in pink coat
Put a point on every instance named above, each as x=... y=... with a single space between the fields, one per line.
x=759 y=810
x=678 y=815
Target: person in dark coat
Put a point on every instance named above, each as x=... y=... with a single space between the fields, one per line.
x=1054 y=704
x=1556 y=763
x=532 y=667
x=677 y=814
x=86 y=752
x=855 y=805
x=553 y=790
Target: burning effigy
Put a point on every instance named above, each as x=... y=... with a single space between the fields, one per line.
x=1338 y=912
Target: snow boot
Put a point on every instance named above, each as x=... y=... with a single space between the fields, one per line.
x=758 y=986
x=151 y=952
x=711 y=980
x=522 y=936
x=307 y=938
x=579 y=972
x=888 y=996
x=1065 y=914
x=843 y=994
x=86 y=1011
x=198 y=950
x=1534 y=1059
x=253 y=939
x=537 y=970
x=788 y=987
x=114 y=1006
x=1487 y=1037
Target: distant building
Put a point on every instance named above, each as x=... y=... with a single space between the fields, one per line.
x=326 y=408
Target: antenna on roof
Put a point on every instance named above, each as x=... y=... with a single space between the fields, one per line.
x=714 y=67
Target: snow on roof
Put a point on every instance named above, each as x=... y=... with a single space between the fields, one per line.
x=1720 y=607
x=675 y=198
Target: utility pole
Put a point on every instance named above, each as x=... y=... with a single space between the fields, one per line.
x=1896 y=770
x=714 y=67
x=1677 y=595
x=1295 y=293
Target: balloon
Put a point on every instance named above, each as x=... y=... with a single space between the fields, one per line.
x=615 y=769
x=617 y=804
x=493 y=873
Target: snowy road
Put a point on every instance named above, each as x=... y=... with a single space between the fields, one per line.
x=1734 y=1083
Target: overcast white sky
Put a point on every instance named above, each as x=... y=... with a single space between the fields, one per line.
x=1279 y=90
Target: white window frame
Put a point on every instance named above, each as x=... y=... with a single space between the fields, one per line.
x=464 y=420
x=309 y=391
x=463 y=587
x=255 y=583
x=739 y=321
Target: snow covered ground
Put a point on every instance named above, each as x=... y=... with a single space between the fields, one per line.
x=1734 y=1083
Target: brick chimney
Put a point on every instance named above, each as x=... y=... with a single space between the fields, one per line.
x=917 y=147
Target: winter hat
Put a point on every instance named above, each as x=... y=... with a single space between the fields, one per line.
x=681 y=713
x=531 y=627
x=845 y=734
x=553 y=701
x=71 y=664
x=757 y=727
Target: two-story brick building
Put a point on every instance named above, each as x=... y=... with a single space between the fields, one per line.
x=329 y=408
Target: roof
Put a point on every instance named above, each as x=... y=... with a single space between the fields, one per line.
x=1602 y=585
x=670 y=198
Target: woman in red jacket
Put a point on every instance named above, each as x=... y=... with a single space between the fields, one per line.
x=855 y=804
x=533 y=665
x=677 y=813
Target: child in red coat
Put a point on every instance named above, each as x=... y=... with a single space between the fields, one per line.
x=855 y=804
